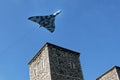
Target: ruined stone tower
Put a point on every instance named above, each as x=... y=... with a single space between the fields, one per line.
x=55 y=63
x=112 y=74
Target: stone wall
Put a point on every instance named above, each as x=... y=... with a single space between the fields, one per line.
x=64 y=64
x=118 y=71
x=112 y=74
x=55 y=63
x=39 y=67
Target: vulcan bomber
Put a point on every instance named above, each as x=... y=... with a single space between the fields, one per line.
x=47 y=21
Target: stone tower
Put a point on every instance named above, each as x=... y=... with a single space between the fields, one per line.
x=55 y=63
x=112 y=74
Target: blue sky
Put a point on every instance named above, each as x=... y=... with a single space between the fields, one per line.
x=91 y=27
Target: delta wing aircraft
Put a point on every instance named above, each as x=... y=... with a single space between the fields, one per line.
x=47 y=21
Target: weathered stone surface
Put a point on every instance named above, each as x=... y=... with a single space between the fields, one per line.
x=55 y=63
x=112 y=74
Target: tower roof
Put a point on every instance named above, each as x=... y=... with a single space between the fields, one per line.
x=53 y=45
x=115 y=67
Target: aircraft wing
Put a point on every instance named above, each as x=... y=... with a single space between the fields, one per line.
x=44 y=21
x=50 y=27
x=37 y=19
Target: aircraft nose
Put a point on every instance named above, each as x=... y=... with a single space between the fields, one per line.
x=56 y=13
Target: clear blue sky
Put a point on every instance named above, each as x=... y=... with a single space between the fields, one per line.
x=91 y=27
